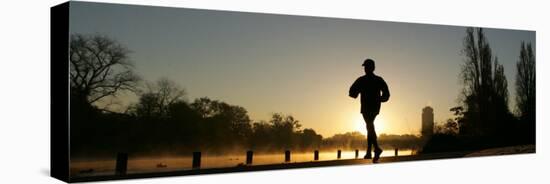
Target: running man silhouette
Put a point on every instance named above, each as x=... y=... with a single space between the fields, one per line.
x=374 y=91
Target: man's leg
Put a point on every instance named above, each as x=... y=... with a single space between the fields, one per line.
x=371 y=132
x=368 y=155
x=369 y=121
x=371 y=137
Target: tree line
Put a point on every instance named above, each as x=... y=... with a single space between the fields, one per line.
x=483 y=117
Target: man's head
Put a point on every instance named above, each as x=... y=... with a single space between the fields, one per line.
x=369 y=66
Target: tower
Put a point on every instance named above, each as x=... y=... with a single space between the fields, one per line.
x=427 y=121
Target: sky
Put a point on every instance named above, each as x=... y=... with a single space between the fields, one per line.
x=297 y=65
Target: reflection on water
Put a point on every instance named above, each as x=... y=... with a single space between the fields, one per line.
x=164 y=164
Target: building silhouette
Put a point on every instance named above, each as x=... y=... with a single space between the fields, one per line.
x=427 y=121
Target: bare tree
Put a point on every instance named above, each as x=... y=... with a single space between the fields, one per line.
x=476 y=71
x=158 y=98
x=485 y=91
x=500 y=85
x=99 y=67
x=525 y=83
x=167 y=93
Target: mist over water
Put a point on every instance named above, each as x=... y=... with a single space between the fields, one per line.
x=173 y=163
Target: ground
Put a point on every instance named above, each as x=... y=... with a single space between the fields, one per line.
x=504 y=151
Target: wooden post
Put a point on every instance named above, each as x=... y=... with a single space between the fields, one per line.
x=249 y=157
x=339 y=155
x=196 y=160
x=316 y=155
x=356 y=153
x=396 y=152
x=121 y=163
x=287 y=156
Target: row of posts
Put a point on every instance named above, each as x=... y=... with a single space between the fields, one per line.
x=122 y=159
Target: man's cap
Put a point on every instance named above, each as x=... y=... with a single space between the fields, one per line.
x=368 y=61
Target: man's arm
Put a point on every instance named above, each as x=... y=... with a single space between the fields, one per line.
x=354 y=89
x=385 y=91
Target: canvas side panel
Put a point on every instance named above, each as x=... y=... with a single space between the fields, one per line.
x=59 y=119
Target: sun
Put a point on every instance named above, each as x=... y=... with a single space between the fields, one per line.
x=360 y=125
